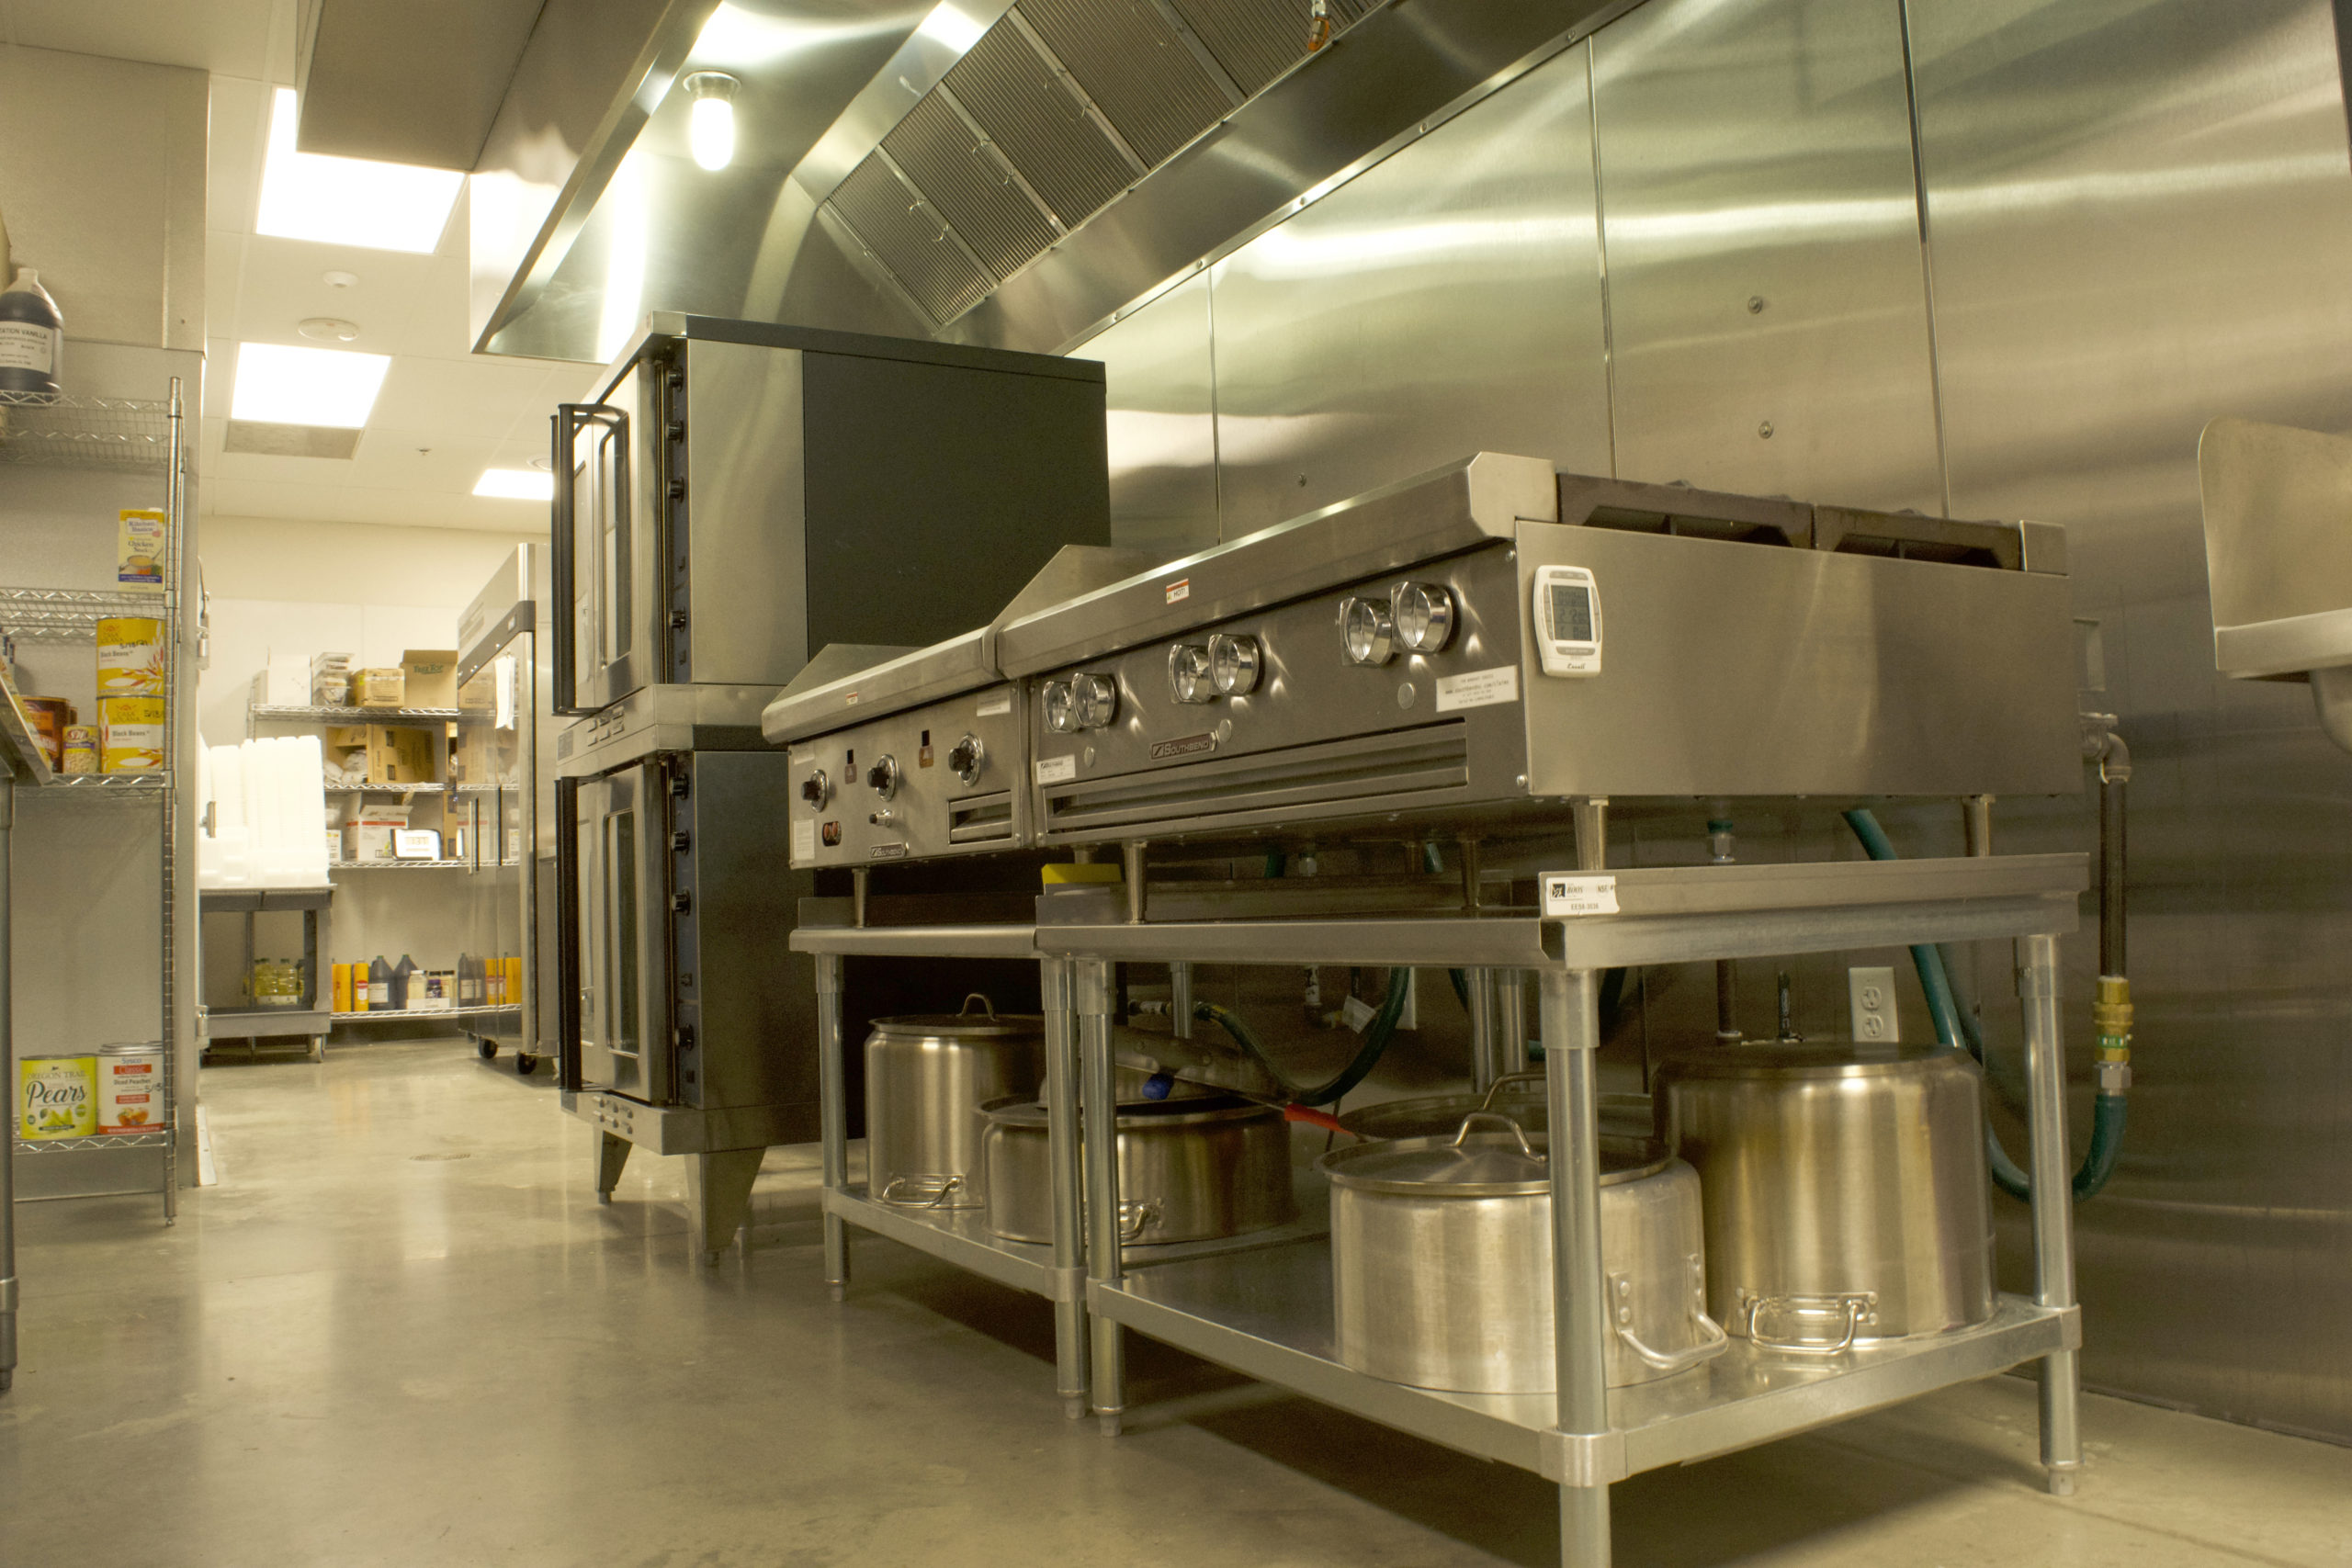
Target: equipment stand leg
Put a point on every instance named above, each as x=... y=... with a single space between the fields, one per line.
x=8 y=1076
x=1070 y=1187
x=611 y=1155
x=834 y=1174
x=2054 y=1206
x=718 y=1196
x=1571 y=1025
x=1100 y=1136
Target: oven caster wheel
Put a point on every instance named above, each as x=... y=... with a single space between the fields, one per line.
x=487 y=1049
x=525 y=1064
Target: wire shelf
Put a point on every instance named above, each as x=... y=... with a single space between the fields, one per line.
x=387 y=789
x=60 y=614
x=60 y=431
x=155 y=1140
x=347 y=715
x=385 y=1015
x=395 y=864
x=114 y=785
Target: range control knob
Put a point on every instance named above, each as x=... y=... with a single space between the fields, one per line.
x=1060 y=702
x=817 y=788
x=967 y=757
x=1366 y=633
x=1188 y=674
x=883 y=776
x=1235 y=663
x=1423 y=614
x=1097 y=701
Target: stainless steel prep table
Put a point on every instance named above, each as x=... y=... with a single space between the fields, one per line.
x=1266 y=1312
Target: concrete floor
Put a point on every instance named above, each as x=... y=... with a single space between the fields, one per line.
x=402 y=1331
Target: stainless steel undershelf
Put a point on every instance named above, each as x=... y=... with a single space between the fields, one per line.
x=247 y=1023
x=961 y=1236
x=1666 y=915
x=1267 y=1313
x=918 y=941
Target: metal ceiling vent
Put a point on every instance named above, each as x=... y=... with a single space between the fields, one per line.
x=1060 y=107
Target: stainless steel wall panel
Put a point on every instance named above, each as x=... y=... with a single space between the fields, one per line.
x=1134 y=67
x=1008 y=89
x=2140 y=215
x=909 y=239
x=1767 y=304
x=939 y=153
x=1157 y=370
x=1445 y=301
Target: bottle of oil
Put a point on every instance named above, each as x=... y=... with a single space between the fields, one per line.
x=32 y=336
x=380 y=984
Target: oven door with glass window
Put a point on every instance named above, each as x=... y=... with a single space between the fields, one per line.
x=624 y=936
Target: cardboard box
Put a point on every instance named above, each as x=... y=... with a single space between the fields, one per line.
x=379 y=687
x=433 y=990
x=369 y=834
x=284 y=682
x=416 y=843
x=398 y=755
x=432 y=675
x=130 y=735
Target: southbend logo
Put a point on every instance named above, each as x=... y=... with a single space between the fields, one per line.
x=1189 y=746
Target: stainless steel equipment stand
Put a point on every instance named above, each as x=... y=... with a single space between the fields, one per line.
x=960 y=1236
x=1266 y=1311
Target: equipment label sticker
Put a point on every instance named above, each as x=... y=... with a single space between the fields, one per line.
x=1190 y=745
x=1056 y=769
x=1478 y=689
x=1180 y=590
x=991 y=707
x=804 y=840
x=1579 y=895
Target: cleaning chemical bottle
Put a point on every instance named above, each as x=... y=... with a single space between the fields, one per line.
x=380 y=984
x=32 y=336
x=401 y=973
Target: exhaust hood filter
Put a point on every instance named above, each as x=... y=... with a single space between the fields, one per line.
x=1034 y=121
x=1139 y=72
x=937 y=150
x=1257 y=40
x=908 y=238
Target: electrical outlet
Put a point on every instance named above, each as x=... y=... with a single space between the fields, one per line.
x=1871 y=992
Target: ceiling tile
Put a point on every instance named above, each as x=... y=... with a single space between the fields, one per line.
x=231 y=37
x=456 y=397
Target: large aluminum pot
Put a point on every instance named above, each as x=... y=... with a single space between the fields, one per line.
x=1190 y=1170
x=926 y=1078
x=1442 y=1260
x=1845 y=1189
x=1519 y=1096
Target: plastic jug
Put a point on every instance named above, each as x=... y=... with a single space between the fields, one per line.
x=32 y=336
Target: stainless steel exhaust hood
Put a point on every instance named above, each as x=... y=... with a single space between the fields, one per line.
x=1003 y=174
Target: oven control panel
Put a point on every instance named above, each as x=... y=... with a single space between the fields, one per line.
x=942 y=779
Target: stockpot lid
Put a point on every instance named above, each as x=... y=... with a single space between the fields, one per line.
x=1809 y=1059
x=984 y=1024
x=1020 y=1110
x=1489 y=1156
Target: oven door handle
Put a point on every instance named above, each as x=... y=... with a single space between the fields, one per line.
x=567 y=933
x=569 y=420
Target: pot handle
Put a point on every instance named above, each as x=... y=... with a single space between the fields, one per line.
x=1517 y=1131
x=985 y=1006
x=1137 y=1218
x=1497 y=1088
x=928 y=1191
x=1854 y=1308
x=1713 y=1340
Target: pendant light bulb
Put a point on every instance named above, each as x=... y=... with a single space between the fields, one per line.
x=710 y=123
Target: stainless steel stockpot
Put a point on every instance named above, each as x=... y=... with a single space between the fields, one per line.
x=1845 y=1189
x=926 y=1078
x=1190 y=1170
x=1442 y=1260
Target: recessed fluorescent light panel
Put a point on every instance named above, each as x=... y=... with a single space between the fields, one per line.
x=277 y=385
x=349 y=201
x=516 y=484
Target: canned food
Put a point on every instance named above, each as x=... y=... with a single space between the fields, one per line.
x=56 y=1097
x=130 y=1088
x=81 y=749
